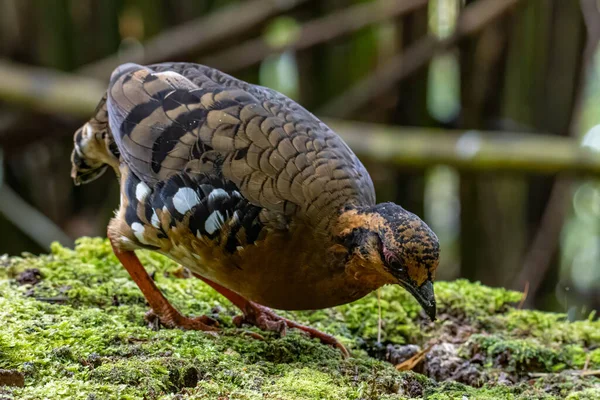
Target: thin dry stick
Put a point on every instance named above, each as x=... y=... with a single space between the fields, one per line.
x=591 y=373
x=487 y=151
x=580 y=373
x=473 y=19
x=195 y=35
x=587 y=362
x=525 y=293
x=379 y=319
x=411 y=363
x=313 y=32
x=538 y=259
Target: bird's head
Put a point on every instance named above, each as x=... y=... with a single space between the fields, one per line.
x=395 y=246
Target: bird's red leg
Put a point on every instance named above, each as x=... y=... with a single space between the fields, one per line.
x=161 y=307
x=264 y=318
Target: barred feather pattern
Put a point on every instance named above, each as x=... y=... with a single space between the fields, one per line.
x=175 y=117
x=212 y=210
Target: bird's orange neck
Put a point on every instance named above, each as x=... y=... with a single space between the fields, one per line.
x=364 y=265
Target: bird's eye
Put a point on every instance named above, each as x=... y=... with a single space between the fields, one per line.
x=397 y=266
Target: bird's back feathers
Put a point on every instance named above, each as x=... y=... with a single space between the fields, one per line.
x=180 y=118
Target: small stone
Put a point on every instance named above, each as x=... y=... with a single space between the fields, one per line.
x=11 y=378
x=30 y=276
x=469 y=374
x=442 y=361
x=478 y=359
x=398 y=354
x=505 y=379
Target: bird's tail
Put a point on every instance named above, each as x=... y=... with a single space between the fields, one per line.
x=94 y=148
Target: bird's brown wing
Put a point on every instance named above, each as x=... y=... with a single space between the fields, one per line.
x=175 y=117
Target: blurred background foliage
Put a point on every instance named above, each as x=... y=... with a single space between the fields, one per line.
x=470 y=68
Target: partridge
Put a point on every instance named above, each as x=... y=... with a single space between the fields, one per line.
x=250 y=192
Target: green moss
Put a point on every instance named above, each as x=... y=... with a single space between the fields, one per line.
x=473 y=300
x=587 y=394
x=80 y=333
x=519 y=355
x=550 y=327
x=304 y=383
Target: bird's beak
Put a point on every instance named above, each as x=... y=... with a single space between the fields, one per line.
x=424 y=295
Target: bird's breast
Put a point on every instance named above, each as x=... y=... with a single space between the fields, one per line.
x=220 y=236
x=279 y=272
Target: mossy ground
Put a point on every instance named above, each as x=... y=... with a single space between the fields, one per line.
x=77 y=331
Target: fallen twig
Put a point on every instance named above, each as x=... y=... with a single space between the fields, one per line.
x=53 y=300
x=525 y=293
x=570 y=372
x=587 y=362
x=411 y=363
x=379 y=316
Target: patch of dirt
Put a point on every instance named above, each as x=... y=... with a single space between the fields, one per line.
x=184 y=378
x=11 y=378
x=442 y=363
x=454 y=331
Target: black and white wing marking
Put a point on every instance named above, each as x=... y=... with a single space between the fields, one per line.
x=211 y=209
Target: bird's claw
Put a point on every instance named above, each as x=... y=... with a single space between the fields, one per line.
x=176 y=320
x=265 y=319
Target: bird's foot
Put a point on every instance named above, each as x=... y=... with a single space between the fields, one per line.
x=265 y=319
x=174 y=319
x=162 y=312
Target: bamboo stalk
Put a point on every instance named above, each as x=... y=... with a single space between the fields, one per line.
x=70 y=94
x=472 y=20
x=313 y=32
x=49 y=90
x=468 y=150
x=195 y=35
